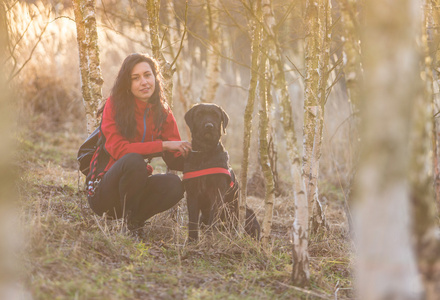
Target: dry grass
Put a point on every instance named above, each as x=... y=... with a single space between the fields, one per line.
x=70 y=253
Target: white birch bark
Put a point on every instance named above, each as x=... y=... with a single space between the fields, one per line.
x=353 y=80
x=300 y=272
x=386 y=260
x=166 y=70
x=423 y=197
x=255 y=26
x=351 y=51
x=11 y=241
x=435 y=4
x=318 y=217
x=264 y=157
x=318 y=40
x=91 y=79
x=212 y=56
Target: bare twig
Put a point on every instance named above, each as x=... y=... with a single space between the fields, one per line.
x=10 y=7
x=284 y=18
x=242 y=29
x=183 y=35
x=163 y=37
x=124 y=35
x=295 y=67
x=13 y=74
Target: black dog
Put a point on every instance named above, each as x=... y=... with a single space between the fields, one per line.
x=210 y=184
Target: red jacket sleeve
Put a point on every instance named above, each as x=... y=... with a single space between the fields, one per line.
x=116 y=144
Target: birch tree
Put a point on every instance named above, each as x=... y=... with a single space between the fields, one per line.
x=255 y=26
x=435 y=6
x=351 y=53
x=166 y=69
x=10 y=241
x=422 y=194
x=212 y=56
x=387 y=267
x=183 y=83
x=91 y=80
x=318 y=38
x=269 y=198
x=300 y=271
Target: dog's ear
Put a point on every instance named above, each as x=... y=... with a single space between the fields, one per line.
x=225 y=120
x=189 y=117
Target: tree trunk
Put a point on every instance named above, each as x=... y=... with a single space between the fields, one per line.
x=255 y=26
x=353 y=80
x=317 y=59
x=213 y=58
x=11 y=242
x=184 y=69
x=166 y=70
x=436 y=98
x=318 y=216
x=422 y=179
x=91 y=79
x=351 y=51
x=264 y=155
x=300 y=272
x=387 y=266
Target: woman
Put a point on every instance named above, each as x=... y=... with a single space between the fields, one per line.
x=137 y=124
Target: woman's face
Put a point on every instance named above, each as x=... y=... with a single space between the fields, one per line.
x=142 y=81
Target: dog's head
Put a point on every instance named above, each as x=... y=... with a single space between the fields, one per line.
x=206 y=122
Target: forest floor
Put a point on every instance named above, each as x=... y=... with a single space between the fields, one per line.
x=70 y=253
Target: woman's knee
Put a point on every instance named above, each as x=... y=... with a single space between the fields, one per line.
x=132 y=161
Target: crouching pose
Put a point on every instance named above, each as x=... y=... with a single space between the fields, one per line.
x=136 y=125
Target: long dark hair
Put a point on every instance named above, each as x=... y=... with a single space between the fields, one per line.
x=123 y=100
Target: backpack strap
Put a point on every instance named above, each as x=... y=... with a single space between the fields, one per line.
x=94 y=177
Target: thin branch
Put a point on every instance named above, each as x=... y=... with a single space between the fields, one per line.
x=334 y=23
x=22 y=35
x=295 y=68
x=338 y=62
x=242 y=29
x=206 y=44
x=237 y=86
x=102 y=25
x=10 y=7
x=284 y=18
x=337 y=49
x=183 y=35
x=338 y=77
x=13 y=74
x=163 y=37
x=106 y=15
x=340 y=125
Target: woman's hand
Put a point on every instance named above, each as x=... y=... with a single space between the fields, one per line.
x=183 y=146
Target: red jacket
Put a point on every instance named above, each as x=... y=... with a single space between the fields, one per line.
x=117 y=145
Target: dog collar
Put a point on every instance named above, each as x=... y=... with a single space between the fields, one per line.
x=209 y=171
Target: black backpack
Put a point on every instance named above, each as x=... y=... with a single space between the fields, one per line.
x=94 y=142
x=86 y=151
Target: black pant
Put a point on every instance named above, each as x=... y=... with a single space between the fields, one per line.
x=126 y=190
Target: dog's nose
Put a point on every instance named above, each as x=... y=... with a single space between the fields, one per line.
x=209 y=126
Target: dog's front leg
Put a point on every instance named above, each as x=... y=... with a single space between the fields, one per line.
x=214 y=214
x=193 y=218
